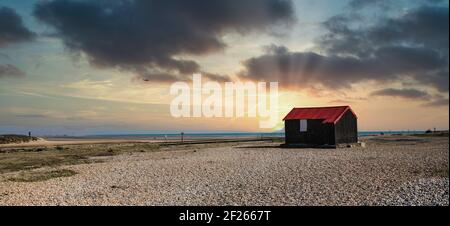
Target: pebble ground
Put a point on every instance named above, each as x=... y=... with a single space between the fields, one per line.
x=406 y=171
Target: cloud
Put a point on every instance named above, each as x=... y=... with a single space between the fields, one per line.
x=414 y=94
x=12 y=29
x=340 y=101
x=411 y=46
x=8 y=70
x=303 y=69
x=148 y=37
x=426 y=26
x=32 y=116
x=389 y=5
x=360 y=4
x=163 y=77
x=438 y=102
x=403 y=93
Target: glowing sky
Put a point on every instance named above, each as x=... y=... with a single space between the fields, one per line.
x=105 y=67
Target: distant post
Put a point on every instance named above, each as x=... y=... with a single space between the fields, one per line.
x=29 y=134
x=182 y=137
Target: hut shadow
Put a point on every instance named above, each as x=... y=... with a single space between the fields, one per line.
x=260 y=147
x=289 y=146
x=307 y=146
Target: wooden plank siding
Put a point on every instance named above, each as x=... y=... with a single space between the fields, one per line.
x=347 y=129
x=317 y=132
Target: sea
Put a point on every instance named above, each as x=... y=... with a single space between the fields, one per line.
x=212 y=135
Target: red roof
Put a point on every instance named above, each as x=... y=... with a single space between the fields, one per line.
x=328 y=114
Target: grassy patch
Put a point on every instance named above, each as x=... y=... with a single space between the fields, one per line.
x=16 y=159
x=38 y=157
x=34 y=176
x=8 y=139
x=10 y=162
x=440 y=173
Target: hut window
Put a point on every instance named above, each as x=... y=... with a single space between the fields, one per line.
x=303 y=125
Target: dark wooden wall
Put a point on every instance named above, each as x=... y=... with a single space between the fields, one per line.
x=346 y=129
x=292 y=131
x=317 y=132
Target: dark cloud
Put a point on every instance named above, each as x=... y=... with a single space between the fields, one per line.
x=12 y=29
x=438 y=102
x=414 y=94
x=437 y=78
x=422 y=30
x=411 y=46
x=8 y=70
x=424 y=27
x=148 y=36
x=274 y=49
x=302 y=69
x=403 y=93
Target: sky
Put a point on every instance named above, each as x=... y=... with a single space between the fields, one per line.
x=80 y=67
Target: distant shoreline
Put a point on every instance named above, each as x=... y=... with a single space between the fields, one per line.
x=172 y=135
x=159 y=138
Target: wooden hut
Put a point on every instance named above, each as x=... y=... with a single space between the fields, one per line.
x=321 y=126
